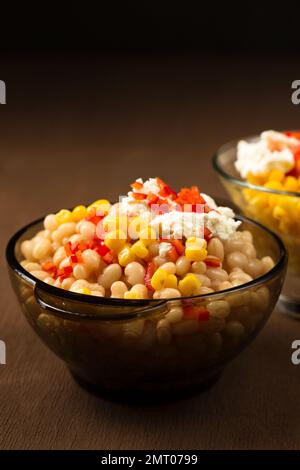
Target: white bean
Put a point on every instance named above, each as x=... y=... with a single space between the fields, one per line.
x=134 y=273
x=118 y=289
x=111 y=274
x=169 y=267
x=218 y=308
x=215 y=248
x=182 y=266
x=166 y=293
x=26 y=249
x=87 y=230
x=40 y=274
x=91 y=260
x=50 y=222
x=199 y=267
x=80 y=272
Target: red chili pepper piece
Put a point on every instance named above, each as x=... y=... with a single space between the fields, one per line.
x=194 y=312
x=165 y=190
x=152 y=199
x=74 y=259
x=179 y=247
x=108 y=258
x=68 y=249
x=207 y=233
x=190 y=196
x=102 y=250
x=212 y=261
x=150 y=270
x=172 y=254
x=48 y=266
x=295 y=134
x=137 y=185
x=139 y=196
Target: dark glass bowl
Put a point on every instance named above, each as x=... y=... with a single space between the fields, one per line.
x=258 y=203
x=114 y=346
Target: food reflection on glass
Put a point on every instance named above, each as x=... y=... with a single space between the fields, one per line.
x=155 y=292
x=262 y=175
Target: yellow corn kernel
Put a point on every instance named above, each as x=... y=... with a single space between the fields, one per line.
x=290 y=183
x=84 y=290
x=64 y=216
x=112 y=222
x=274 y=185
x=139 y=249
x=115 y=240
x=256 y=179
x=189 y=285
x=132 y=294
x=102 y=205
x=147 y=235
x=126 y=256
x=171 y=281
x=279 y=213
x=79 y=213
x=195 y=253
x=276 y=175
x=196 y=241
x=259 y=201
x=159 y=278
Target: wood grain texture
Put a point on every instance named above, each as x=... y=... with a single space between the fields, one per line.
x=75 y=131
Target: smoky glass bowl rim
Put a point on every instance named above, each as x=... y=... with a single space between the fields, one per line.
x=218 y=167
x=63 y=294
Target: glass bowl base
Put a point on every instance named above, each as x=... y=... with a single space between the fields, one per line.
x=147 y=396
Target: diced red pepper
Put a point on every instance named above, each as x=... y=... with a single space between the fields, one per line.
x=137 y=185
x=108 y=258
x=65 y=272
x=207 y=233
x=194 y=312
x=190 y=196
x=179 y=246
x=102 y=250
x=74 y=259
x=50 y=268
x=68 y=249
x=295 y=134
x=139 y=196
x=152 y=199
x=172 y=254
x=150 y=270
x=96 y=219
x=79 y=256
x=212 y=261
x=165 y=190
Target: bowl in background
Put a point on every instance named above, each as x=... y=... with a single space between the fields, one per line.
x=278 y=210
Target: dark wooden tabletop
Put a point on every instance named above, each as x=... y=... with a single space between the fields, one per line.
x=73 y=131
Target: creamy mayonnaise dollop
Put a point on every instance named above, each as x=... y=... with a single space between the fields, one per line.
x=273 y=151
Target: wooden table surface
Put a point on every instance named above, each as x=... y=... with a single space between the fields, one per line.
x=74 y=131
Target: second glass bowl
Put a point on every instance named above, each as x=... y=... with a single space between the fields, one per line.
x=277 y=210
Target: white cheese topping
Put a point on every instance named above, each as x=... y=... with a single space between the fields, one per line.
x=149 y=186
x=272 y=152
x=164 y=247
x=176 y=224
x=187 y=224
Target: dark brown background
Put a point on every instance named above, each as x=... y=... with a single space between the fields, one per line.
x=74 y=130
